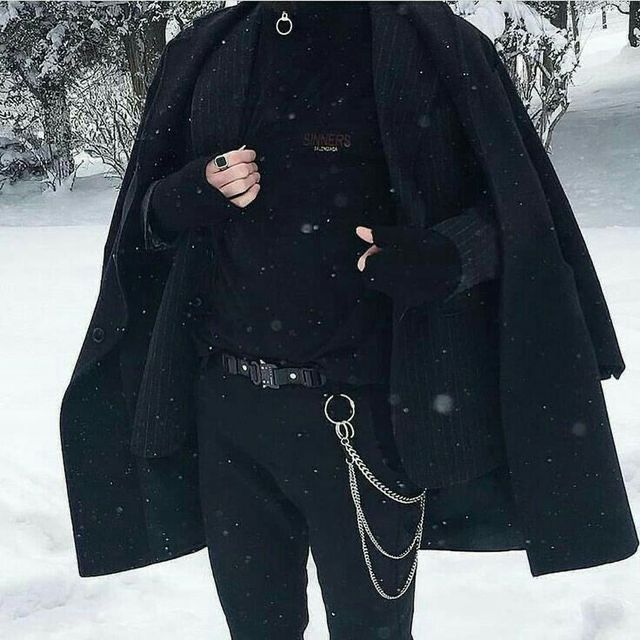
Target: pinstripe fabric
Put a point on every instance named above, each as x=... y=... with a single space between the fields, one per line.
x=476 y=239
x=449 y=386
x=164 y=409
x=452 y=191
x=445 y=405
x=208 y=134
x=445 y=401
x=405 y=87
x=156 y=384
x=152 y=240
x=218 y=93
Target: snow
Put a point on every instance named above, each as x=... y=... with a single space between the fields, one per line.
x=50 y=251
x=490 y=17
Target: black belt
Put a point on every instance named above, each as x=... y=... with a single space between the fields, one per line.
x=271 y=375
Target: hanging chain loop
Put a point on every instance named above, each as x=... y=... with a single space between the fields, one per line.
x=345 y=431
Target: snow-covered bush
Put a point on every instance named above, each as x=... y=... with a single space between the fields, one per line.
x=539 y=43
x=50 y=51
x=105 y=115
x=17 y=161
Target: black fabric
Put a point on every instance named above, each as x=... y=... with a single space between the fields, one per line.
x=286 y=285
x=574 y=512
x=454 y=191
x=185 y=200
x=414 y=265
x=408 y=277
x=286 y=490
x=477 y=240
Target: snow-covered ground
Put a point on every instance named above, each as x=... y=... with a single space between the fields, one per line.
x=50 y=249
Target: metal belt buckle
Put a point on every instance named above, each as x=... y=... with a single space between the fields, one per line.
x=266 y=375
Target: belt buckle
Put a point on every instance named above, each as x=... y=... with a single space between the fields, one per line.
x=266 y=375
x=312 y=377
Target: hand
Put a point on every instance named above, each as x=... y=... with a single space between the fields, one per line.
x=201 y=194
x=240 y=177
x=410 y=264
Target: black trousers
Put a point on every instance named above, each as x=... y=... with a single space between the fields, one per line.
x=274 y=484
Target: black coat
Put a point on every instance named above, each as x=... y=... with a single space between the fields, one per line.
x=561 y=496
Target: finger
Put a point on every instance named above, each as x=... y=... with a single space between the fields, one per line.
x=233 y=157
x=239 y=171
x=224 y=180
x=219 y=178
x=365 y=234
x=362 y=260
x=248 y=197
x=238 y=187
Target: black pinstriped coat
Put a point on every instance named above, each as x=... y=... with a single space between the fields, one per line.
x=521 y=355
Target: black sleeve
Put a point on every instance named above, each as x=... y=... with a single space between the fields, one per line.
x=418 y=265
x=413 y=265
x=153 y=241
x=476 y=238
x=181 y=201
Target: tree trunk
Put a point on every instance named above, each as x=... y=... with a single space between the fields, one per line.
x=575 y=27
x=143 y=45
x=57 y=132
x=558 y=16
x=634 y=24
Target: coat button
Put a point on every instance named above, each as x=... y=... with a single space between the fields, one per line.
x=97 y=335
x=196 y=302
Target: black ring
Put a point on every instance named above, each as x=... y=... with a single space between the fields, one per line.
x=221 y=162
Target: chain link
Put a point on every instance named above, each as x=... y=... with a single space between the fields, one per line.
x=345 y=431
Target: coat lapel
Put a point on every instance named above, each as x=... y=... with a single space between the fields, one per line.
x=404 y=81
x=232 y=60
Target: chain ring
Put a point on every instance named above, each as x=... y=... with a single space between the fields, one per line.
x=345 y=431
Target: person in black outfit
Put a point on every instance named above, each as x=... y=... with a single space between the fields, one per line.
x=306 y=270
x=289 y=334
